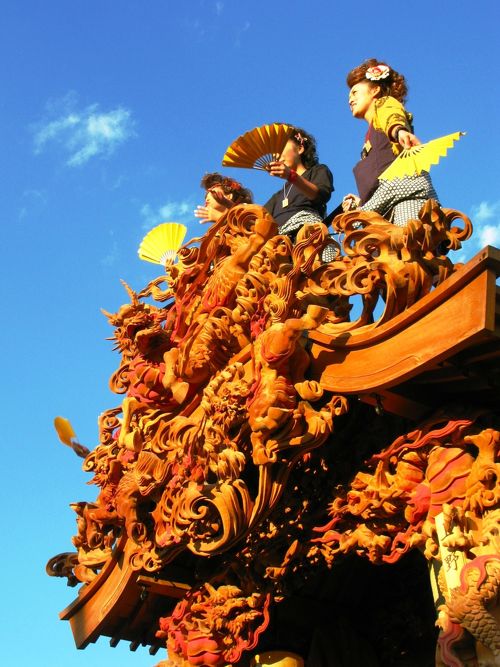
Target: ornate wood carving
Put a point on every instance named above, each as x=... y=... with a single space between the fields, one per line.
x=238 y=454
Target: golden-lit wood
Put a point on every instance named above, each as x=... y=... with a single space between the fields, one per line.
x=458 y=314
x=271 y=437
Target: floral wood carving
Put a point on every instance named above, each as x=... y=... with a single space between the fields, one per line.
x=218 y=441
x=213 y=626
x=393 y=506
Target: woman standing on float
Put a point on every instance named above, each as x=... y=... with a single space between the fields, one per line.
x=221 y=194
x=307 y=188
x=377 y=94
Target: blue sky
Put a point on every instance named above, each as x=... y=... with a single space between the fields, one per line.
x=110 y=113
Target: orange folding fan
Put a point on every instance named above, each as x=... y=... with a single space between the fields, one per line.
x=258 y=147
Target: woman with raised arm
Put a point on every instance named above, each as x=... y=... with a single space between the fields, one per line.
x=222 y=193
x=307 y=185
x=377 y=95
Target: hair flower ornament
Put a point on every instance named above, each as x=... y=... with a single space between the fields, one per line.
x=378 y=72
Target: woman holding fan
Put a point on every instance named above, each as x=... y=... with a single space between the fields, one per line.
x=307 y=185
x=377 y=95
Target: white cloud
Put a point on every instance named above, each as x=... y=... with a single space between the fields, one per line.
x=486 y=211
x=486 y=222
x=485 y=218
x=86 y=133
x=490 y=235
x=171 y=211
x=53 y=129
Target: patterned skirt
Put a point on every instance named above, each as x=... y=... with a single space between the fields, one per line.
x=400 y=200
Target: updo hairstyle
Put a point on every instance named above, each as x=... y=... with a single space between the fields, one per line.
x=393 y=85
x=231 y=188
x=302 y=138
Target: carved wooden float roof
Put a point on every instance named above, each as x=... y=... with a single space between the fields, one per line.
x=122 y=603
x=241 y=456
x=448 y=343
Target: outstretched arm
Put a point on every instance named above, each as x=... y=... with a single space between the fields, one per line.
x=405 y=138
x=207 y=214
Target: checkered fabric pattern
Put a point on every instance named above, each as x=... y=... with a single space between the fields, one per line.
x=400 y=200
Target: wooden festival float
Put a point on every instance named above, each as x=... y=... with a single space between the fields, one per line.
x=304 y=467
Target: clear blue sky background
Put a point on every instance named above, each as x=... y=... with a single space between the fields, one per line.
x=110 y=113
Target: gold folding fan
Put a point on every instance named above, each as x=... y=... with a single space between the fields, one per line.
x=258 y=147
x=412 y=161
x=160 y=245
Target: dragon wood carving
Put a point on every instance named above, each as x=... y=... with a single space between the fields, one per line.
x=224 y=446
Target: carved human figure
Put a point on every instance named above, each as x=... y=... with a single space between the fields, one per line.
x=190 y=363
x=279 y=364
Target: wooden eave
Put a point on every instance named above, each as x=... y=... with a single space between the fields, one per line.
x=445 y=345
x=123 y=603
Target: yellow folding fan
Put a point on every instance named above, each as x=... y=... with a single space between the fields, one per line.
x=160 y=245
x=65 y=431
x=412 y=161
x=258 y=147
x=68 y=436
